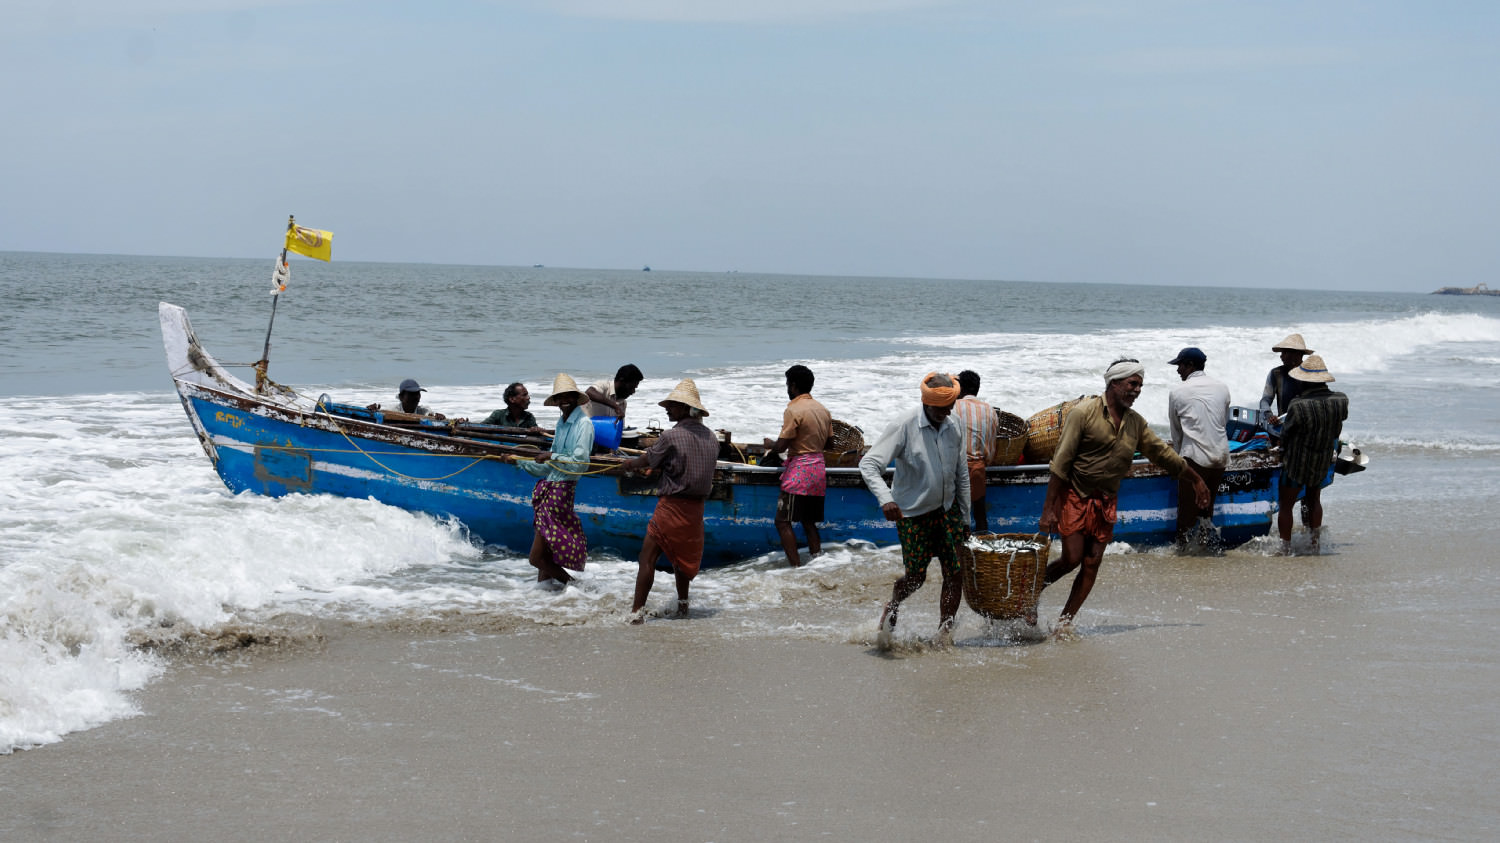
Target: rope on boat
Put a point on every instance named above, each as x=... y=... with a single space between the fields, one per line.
x=318 y=406
x=371 y=457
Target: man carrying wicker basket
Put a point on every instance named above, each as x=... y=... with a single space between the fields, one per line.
x=928 y=500
x=1100 y=438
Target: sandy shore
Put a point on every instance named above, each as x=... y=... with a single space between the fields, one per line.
x=1344 y=696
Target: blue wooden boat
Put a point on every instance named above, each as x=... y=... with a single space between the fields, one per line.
x=273 y=441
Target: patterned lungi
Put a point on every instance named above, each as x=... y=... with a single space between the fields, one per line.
x=1093 y=515
x=805 y=474
x=677 y=528
x=936 y=533
x=555 y=521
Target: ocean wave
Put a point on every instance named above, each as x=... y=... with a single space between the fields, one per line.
x=121 y=546
x=1361 y=345
x=1375 y=445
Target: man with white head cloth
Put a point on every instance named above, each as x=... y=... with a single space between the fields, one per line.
x=1099 y=439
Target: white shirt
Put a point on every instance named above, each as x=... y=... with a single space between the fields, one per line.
x=594 y=409
x=1196 y=413
x=932 y=465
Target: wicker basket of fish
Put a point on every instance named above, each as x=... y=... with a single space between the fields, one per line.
x=1045 y=428
x=845 y=446
x=1011 y=432
x=1003 y=573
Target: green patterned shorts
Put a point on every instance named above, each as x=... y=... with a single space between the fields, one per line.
x=936 y=533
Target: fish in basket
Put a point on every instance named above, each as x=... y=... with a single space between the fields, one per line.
x=1003 y=573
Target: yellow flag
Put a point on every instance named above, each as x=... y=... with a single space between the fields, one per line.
x=310 y=242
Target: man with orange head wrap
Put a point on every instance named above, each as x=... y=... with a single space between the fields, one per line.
x=928 y=498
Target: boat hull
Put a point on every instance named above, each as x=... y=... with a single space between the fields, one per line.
x=279 y=445
x=260 y=447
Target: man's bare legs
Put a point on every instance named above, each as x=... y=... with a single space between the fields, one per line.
x=682 y=593
x=645 y=577
x=905 y=587
x=789 y=540
x=1188 y=512
x=814 y=539
x=953 y=589
x=1312 y=516
x=1078 y=551
x=541 y=559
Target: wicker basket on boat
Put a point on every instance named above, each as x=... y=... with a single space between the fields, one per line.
x=1045 y=428
x=1011 y=432
x=1003 y=573
x=844 y=447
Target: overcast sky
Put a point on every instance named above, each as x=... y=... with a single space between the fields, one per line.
x=1333 y=145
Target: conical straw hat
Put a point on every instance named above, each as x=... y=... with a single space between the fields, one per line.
x=562 y=385
x=686 y=393
x=1293 y=342
x=1312 y=369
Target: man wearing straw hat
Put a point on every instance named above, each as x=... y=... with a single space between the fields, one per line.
x=806 y=427
x=928 y=498
x=1309 y=440
x=559 y=545
x=686 y=455
x=1099 y=439
x=1281 y=389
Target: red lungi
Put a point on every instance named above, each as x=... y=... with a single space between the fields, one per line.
x=1093 y=515
x=677 y=528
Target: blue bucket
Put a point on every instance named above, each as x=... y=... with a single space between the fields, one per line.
x=607 y=430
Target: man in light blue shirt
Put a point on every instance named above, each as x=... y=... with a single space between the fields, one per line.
x=559 y=545
x=928 y=500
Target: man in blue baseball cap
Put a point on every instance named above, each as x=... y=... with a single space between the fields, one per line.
x=1196 y=414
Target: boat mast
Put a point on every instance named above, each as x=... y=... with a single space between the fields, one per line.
x=278 y=284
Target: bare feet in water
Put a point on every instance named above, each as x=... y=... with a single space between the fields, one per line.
x=883 y=638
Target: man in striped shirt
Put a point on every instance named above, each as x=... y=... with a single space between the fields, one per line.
x=979 y=423
x=1310 y=433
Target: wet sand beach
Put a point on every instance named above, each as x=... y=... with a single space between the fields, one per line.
x=1345 y=696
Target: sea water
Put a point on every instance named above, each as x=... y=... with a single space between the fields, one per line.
x=120 y=550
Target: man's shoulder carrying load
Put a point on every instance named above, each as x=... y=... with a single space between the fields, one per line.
x=1045 y=428
x=1011 y=432
x=844 y=447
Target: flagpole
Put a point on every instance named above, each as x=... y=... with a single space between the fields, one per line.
x=265 y=355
